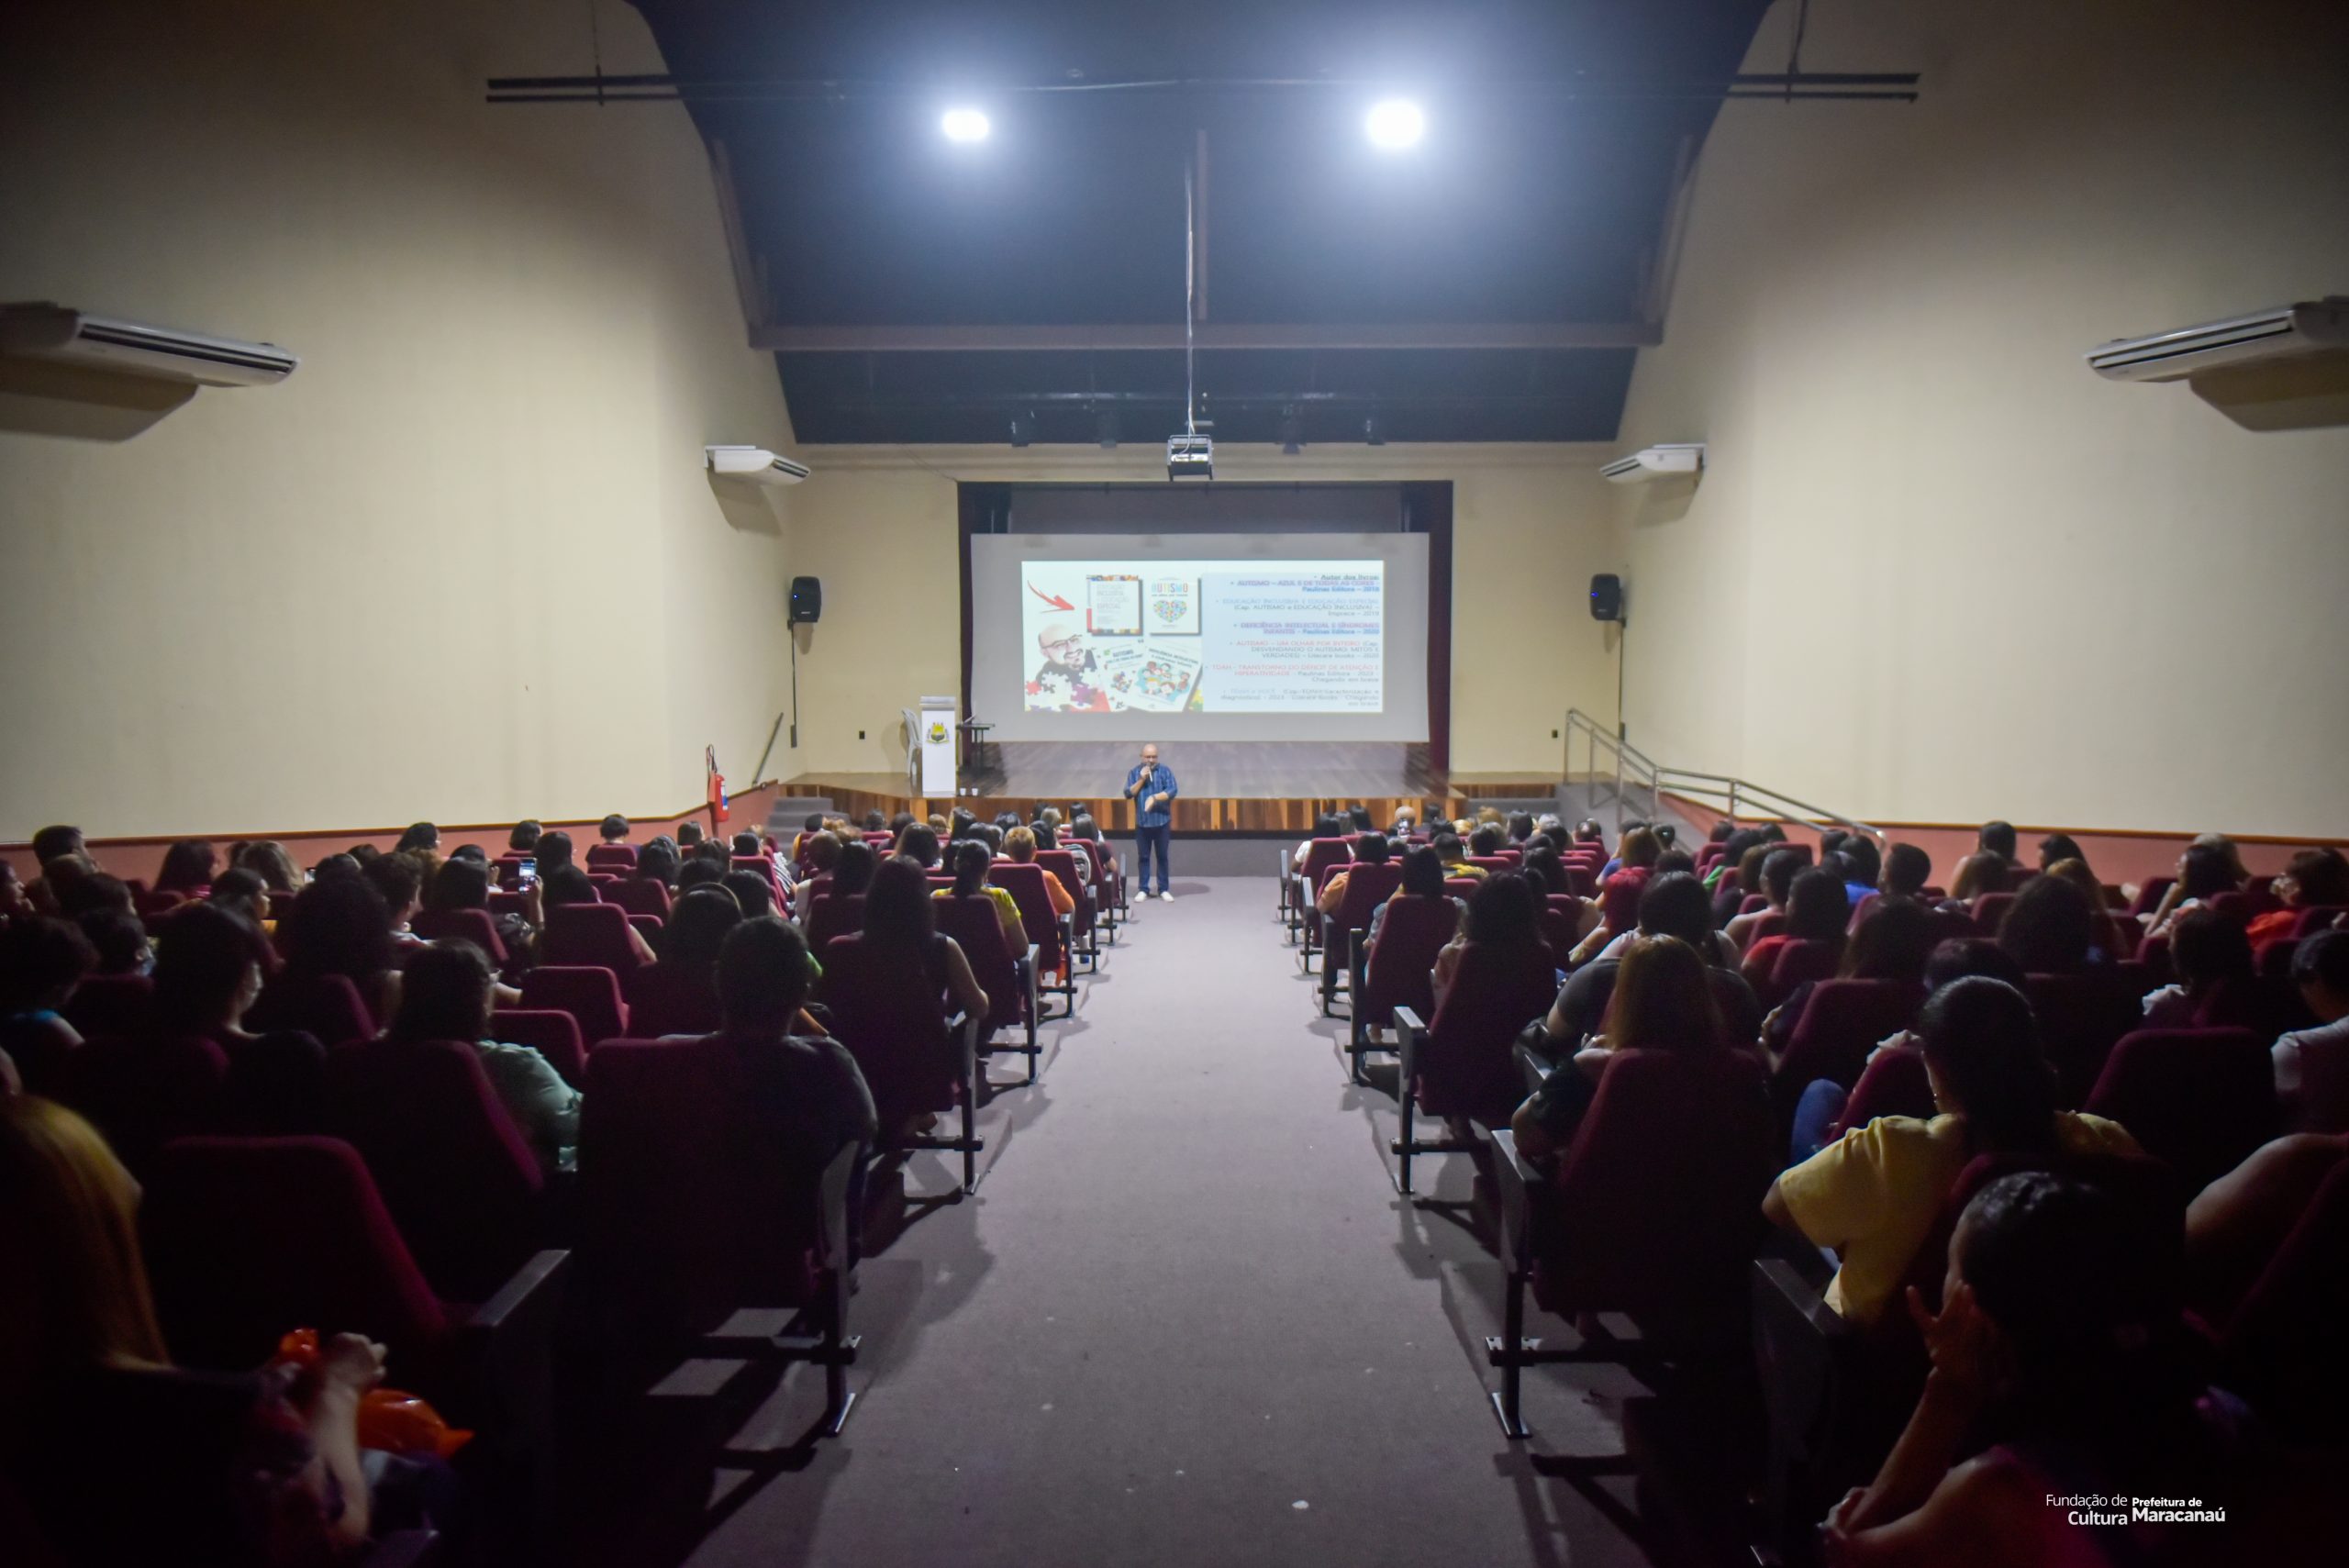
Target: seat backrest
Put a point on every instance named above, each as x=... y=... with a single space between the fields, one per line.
x=1367 y=886
x=1656 y=1206
x=143 y=1091
x=1493 y=863
x=1990 y=908
x=2316 y=917
x=2323 y=1103
x=832 y=916
x=1799 y=962
x=1772 y=923
x=892 y=1018
x=672 y=998
x=247 y=1238
x=1465 y=1068
x=473 y=926
x=2080 y=1017
x=1063 y=864
x=639 y=896
x=687 y=1213
x=590 y=994
x=327 y=1006
x=111 y=1003
x=1026 y=885
x=1461 y=886
x=454 y=1171
x=976 y=929
x=552 y=1034
x=2199 y=1100
x=1893 y=1084
x=2149 y=894
x=1398 y=971
x=1322 y=853
x=1840 y=1023
x=595 y=935
x=611 y=857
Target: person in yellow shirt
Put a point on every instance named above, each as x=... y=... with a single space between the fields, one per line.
x=1874 y=1195
x=1454 y=856
x=971 y=862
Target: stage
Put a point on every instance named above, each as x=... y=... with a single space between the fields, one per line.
x=1228 y=787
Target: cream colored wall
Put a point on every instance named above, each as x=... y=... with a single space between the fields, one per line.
x=1937 y=570
x=465 y=564
x=1530 y=523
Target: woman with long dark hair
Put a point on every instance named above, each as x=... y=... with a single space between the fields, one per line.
x=1874 y=1195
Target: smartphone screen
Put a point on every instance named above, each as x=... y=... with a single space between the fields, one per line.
x=530 y=870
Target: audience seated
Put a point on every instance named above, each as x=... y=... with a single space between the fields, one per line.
x=1873 y=1195
x=2217 y=985
x=2312 y=1065
x=1774 y=881
x=1818 y=911
x=339 y=930
x=2050 y=929
x=2315 y=879
x=1671 y=905
x=42 y=960
x=188 y=868
x=971 y=863
x=209 y=966
x=2059 y=1332
x=446 y=994
x=228 y=1466
x=2208 y=867
x=801 y=1097
x=1662 y=999
x=890 y=988
x=679 y=994
x=268 y=858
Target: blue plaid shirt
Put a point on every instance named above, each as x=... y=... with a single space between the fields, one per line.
x=1161 y=781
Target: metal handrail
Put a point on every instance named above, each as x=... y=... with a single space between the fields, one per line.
x=1634 y=766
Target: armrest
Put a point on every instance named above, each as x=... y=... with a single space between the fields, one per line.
x=1408 y=1033
x=1534 y=1066
x=534 y=1289
x=1786 y=1304
x=1513 y=1181
x=966 y=1027
x=839 y=1176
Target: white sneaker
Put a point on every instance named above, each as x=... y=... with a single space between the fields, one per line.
x=1168 y=896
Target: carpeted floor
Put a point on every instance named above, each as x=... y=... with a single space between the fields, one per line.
x=1186 y=1319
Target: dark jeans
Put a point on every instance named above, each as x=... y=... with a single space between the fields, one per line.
x=1816 y=1113
x=1143 y=839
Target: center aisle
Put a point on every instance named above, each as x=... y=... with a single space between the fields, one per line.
x=1187 y=1318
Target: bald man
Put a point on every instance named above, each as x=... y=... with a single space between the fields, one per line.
x=1063 y=683
x=1149 y=785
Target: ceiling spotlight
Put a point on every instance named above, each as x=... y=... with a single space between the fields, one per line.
x=1395 y=123
x=1374 y=430
x=964 y=124
x=1291 y=433
x=1023 y=429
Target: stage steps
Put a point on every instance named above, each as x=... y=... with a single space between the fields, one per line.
x=788 y=812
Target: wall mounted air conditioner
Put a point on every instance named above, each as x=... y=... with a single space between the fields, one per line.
x=755 y=465
x=1655 y=462
x=45 y=331
x=2289 y=330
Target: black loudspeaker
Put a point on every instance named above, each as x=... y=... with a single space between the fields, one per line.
x=806 y=600
x=1606 y=597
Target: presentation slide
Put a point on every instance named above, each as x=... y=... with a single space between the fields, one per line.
x=1208 y=637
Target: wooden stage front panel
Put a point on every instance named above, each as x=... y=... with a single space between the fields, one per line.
x=1227 y=787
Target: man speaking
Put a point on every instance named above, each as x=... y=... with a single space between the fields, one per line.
x=1151 y=789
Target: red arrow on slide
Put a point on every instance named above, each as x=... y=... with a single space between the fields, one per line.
x=1052 y=599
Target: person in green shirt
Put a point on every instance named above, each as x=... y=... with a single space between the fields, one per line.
x=445 y=994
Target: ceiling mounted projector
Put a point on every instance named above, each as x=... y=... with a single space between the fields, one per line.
x=2289 y=330
x=1190 y=456
x=41 y=330
x=755 y=465
x=1655 y=462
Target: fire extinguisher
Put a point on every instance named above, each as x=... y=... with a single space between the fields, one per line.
x=717 y=786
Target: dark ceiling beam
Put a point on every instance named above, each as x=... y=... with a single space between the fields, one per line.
x=802 y=339
x=1889 y=86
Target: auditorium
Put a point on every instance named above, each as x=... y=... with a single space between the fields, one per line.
x=794 y=785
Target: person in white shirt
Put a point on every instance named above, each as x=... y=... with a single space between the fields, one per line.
x=2321 y=969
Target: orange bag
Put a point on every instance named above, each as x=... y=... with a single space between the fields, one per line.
x=388 y=1420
